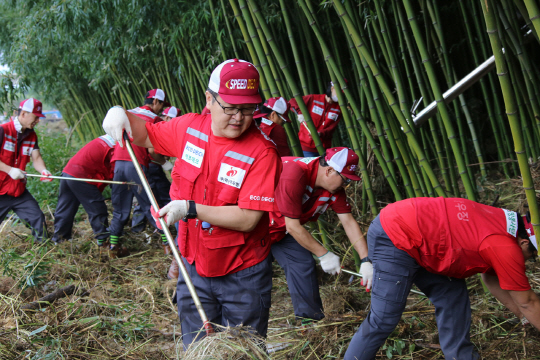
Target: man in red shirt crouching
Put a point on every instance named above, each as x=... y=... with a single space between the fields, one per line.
x=436 y=243
x=272 y=116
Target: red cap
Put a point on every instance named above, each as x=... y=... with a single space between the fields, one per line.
x=158 y=94
x=344 y=161
x=236 y=81
x=170 y=111
x=279 y=105
x=32 y=106
x=530 y=231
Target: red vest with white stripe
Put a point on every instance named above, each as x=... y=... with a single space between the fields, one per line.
x=121 y=153
x=452 y=230
x=11 y=155
x=314 y=201
x=217 y=251
x=325 y=117
x=93 y=161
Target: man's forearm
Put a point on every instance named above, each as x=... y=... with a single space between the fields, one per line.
x=229 y=217
x=4 y=167
x=37 y=161
x=354 y=233
x=529 y=305
x=306 y=240
x=492 y=282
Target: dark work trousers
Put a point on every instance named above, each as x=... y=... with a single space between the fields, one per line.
x=394 y=272
x=122 y=197
x=71 y=195
x=240 y=298
x=301 y=274
x=160 y=186
x=27 y=209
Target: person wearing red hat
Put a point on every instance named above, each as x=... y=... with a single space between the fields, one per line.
x=325 y=113
x=20 y=146
x=170 y=113
x=270 y=120
x=124 y=170
x=93 y=161
x=223 y=188
x=307 y=187
x=435 y=243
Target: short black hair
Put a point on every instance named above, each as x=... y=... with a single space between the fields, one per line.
x=329 y=89
x=522 y=233
x=322 y=161
x=214 y=94
x=150 y=101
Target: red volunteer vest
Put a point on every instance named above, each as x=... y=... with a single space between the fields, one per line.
x=325 y=117
x=314 y=202
x=217 y=251
x=11 y=155
x=277 y=134
x=121 y=153
x=452 y=230
x=93 y=161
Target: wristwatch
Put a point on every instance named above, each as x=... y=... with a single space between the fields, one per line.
x=192 y=210
x=366 y=259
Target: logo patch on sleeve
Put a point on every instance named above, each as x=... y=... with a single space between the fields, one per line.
x=231 y=175
x=27 y=150
x=307 y=160
x=9 y=146
x=193 y=155
x=511 y=222
x=267 y=122
x=317 y=110
x=333 y=116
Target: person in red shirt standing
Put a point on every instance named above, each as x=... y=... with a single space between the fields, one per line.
x=307 y=187
x=226 y=174
x=325 y=113
x=436 y=243
x=93 y=161
x=272 y=116
x=124 y=170
x=19 y=146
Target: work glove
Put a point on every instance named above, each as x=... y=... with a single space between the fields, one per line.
x=172 y=212
x=115 y=123
x=366 y=270
x=330 y=263
x=45 y=176
x=16 y=173
x=524 y=321
x=301 y=118
x=167 y=166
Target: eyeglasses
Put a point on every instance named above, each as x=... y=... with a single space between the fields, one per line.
x=346 y=180
x=234 y=110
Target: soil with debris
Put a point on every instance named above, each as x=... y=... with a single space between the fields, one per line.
x=127 y=310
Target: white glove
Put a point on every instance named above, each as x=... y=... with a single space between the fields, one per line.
x=45 y=176
x=524 y=321
x=16 y=173
x=366 y=270
x=330 y=263
x=115 y=122
x=301 y=118
x=167 y=166
x=174 y=211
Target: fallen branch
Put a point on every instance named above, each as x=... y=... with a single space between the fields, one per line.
x=49 y=299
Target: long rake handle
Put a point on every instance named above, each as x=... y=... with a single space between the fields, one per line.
x=170 y=239
x=357 y=274
x=85 y=180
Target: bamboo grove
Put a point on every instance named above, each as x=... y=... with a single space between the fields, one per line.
x=382 y=56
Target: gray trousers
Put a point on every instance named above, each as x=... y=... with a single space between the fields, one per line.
x=160 y=186
x=301 y=274
x=71 y=195
x=27 y=209
x=240 y=298
x=122 y=197
x=394 y=273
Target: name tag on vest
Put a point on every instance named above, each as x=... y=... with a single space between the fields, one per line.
x=231 y=175
x=317 y=110
x=27 y=150
x=333 y=116
x=9 y=146
x=193 y=154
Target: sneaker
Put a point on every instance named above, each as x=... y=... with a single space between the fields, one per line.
x=174 y=271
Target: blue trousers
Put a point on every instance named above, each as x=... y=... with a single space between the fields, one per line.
x=240 y=298
x=300 y=271
x=160 y=186
x=394 y=273
x=27 y=209
x=122 y=197
x=71 y=195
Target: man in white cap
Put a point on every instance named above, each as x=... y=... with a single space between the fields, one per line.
x=124 y=170
x=307 y=187
x=272 y=115
x=20 y=146
x=226 y=174
x=435 y=243
x=170 y=113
